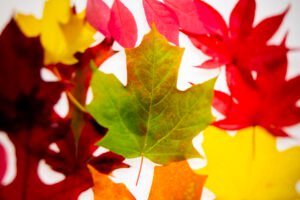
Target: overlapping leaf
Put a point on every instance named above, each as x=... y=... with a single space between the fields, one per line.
x=248 y=166
x=24 y=95
x=28 y=118
x=259 y=104
x=104 y=188
x=176 y=181
x=117 y=22
x=135 y=115
x=62 y=32
x=245 y=45
x=164 y=18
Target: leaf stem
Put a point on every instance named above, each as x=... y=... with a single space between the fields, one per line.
x=75 y=102
x=140 y=170
x=69 y=94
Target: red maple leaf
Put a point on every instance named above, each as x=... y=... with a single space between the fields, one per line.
x=240 y=44
x=269 y=102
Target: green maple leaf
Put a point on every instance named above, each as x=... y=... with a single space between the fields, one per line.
x=150 y=117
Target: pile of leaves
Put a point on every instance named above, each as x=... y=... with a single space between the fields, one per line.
x=149 y=117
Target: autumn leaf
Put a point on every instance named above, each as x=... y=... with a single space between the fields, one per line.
x=116 y=22
x=78 y=77
x=242 y=44
x=26 y=112
x=264 y=108
x=135 y=115
x=164 y=18
x=104 y=188
x=25 y=101
x=213 y=22
x=3 y=162
x=176 y=181
x=242 y=18
x=248 y=165
x=28 y=118
x=187 y=15
x=73 y=158
x=123 y=31
x=62 y=32
x=98 y=15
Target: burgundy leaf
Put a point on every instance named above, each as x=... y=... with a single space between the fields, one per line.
x=24 y=102
x=164 y=18
x=107 y=162
x=27 y=115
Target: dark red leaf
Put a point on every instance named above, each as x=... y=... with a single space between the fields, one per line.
x=24 y=102
x=122 y=25
x=164 y=18
x=27 y=115
x=108 y=162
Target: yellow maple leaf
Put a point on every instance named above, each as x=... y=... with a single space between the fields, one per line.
x=62 y=32
x=249 y=167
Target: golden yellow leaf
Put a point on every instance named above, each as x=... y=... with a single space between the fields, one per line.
x=104 y=188
x=176 y=181
x=249 y=167
x=62 y=32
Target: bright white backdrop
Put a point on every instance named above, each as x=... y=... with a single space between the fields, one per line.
x=187 y=73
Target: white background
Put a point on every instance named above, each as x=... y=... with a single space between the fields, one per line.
x=187 y=73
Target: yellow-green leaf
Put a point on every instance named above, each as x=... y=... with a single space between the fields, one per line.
x=62 y=32
x=150 y=117
x=249 y=168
